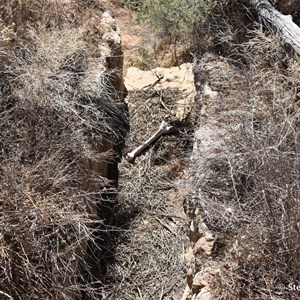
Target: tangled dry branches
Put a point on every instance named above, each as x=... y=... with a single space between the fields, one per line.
x=245 y=172
x=57 y=119
x=148 y=253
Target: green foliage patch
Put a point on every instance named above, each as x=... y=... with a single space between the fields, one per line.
x=176 y=18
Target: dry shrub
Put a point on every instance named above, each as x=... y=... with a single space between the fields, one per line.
x=266 y=168
x=225 y=25
x=46 y=13
x=245 y=175
x=55 y=115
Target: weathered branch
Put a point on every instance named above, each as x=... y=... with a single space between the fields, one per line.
x=163 y=129
x=284 y=24
x=8 y=296
x=151 y=86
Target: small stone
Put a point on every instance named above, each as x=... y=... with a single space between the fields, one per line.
x=189 y=255
x=209 y=236
x=189 y=278
x=201 y=281
x=204 y=246
x=204 y=294
x=194 y=232
x=198 y=282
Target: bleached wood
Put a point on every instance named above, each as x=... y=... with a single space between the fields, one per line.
x=284 y=24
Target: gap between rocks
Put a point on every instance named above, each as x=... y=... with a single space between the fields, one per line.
x=149 y=252
x=149 y=259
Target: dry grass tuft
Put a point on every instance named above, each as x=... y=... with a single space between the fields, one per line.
x=57 y=118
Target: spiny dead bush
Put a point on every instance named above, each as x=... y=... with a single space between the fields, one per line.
x=24 y=17
x=246 y=182
x=44 y=13
x=57 y=118
x=266 y=172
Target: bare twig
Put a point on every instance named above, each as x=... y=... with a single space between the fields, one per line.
x=8 y=296
x=163 y=103
x=151 y=86
x=165 y=225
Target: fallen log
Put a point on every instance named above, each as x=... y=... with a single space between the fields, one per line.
x=284 y=24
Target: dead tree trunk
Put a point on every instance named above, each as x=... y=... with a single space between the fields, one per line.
x=284 y=24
